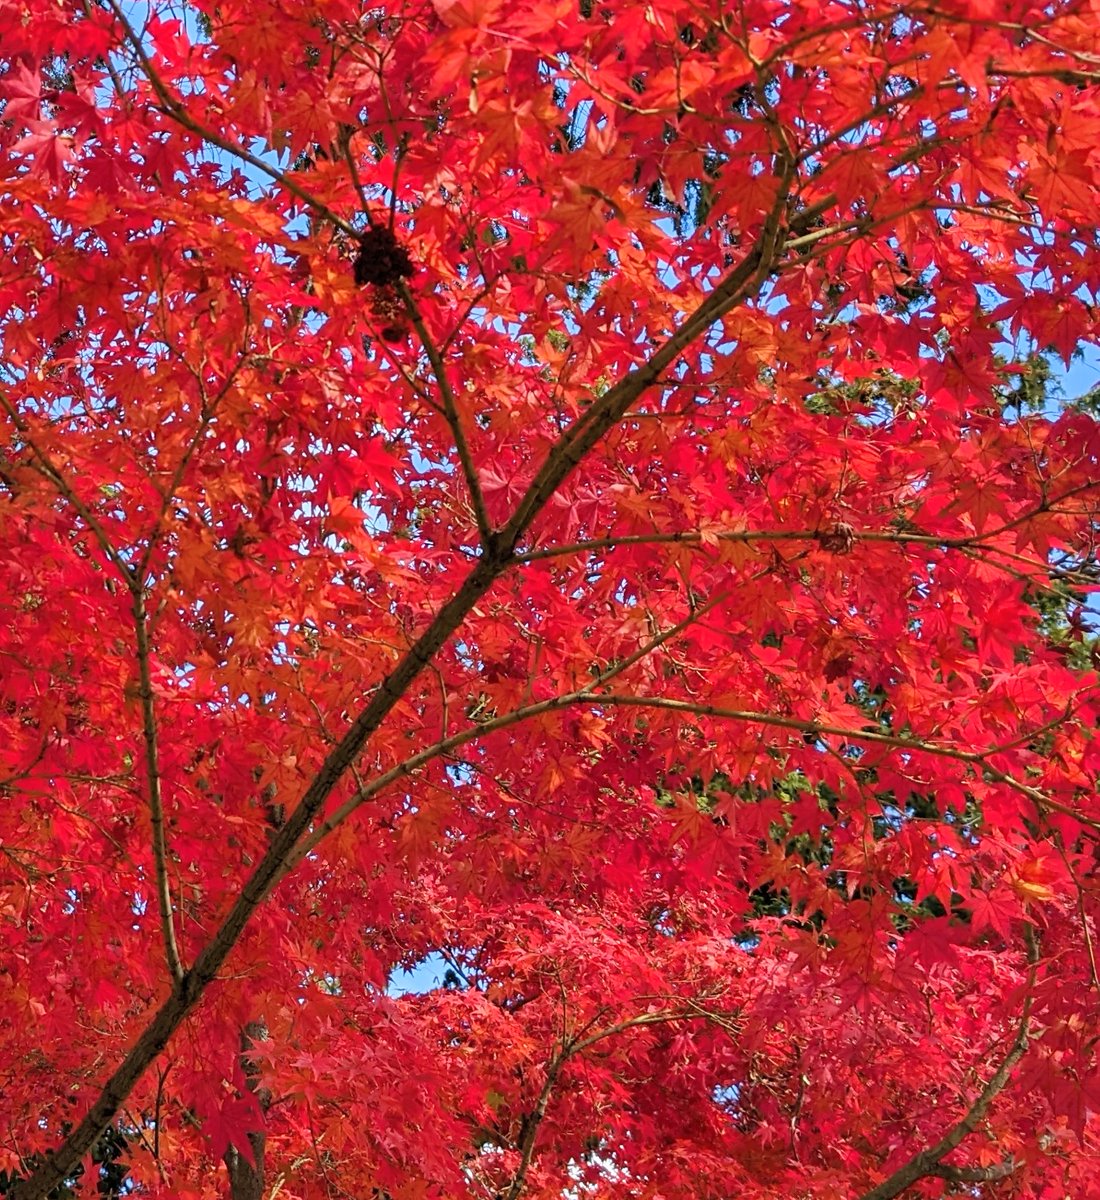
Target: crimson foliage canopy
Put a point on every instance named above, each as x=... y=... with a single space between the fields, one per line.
x=562 y=498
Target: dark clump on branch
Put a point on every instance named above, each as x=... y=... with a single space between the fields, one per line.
x=382 y=260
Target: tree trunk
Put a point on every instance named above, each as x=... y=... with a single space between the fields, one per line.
x=246 y=1179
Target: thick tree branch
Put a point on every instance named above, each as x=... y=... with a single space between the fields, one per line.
x=246 y=1172
x=531 y=1123
x=990 y=1174
x=744 y=280
x=562 y=460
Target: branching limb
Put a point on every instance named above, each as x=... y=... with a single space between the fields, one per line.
x=930 y=1161
x=570 y=1048
x=593 y=696
x=590 y=692
x=742 y=281
x=975 y=546
x=135 y=585
x=596 y=695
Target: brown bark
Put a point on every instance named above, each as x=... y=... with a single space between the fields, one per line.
x=744 y=280
x=246 y=1172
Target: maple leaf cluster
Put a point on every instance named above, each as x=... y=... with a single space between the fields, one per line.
x=563 y=499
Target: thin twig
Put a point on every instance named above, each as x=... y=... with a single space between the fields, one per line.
x=153 y=782
x=444 y=746
x=46 y=468
x=451 y=414
x=173 y=108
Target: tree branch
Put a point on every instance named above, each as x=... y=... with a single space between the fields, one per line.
x=153 y=782
x=577 y=1045
x=445 y=745
x=495 y=560
x=531 y=1123
x=450 y=413
x=592 y=695
x=744 y=280
x=930 y=1161
x=692 y=537
x=990 y=1174
x=136 y=587
x=978 y=758
x=173 y=108
x=46 y=468
x=972 y=543
x=246 y=1179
